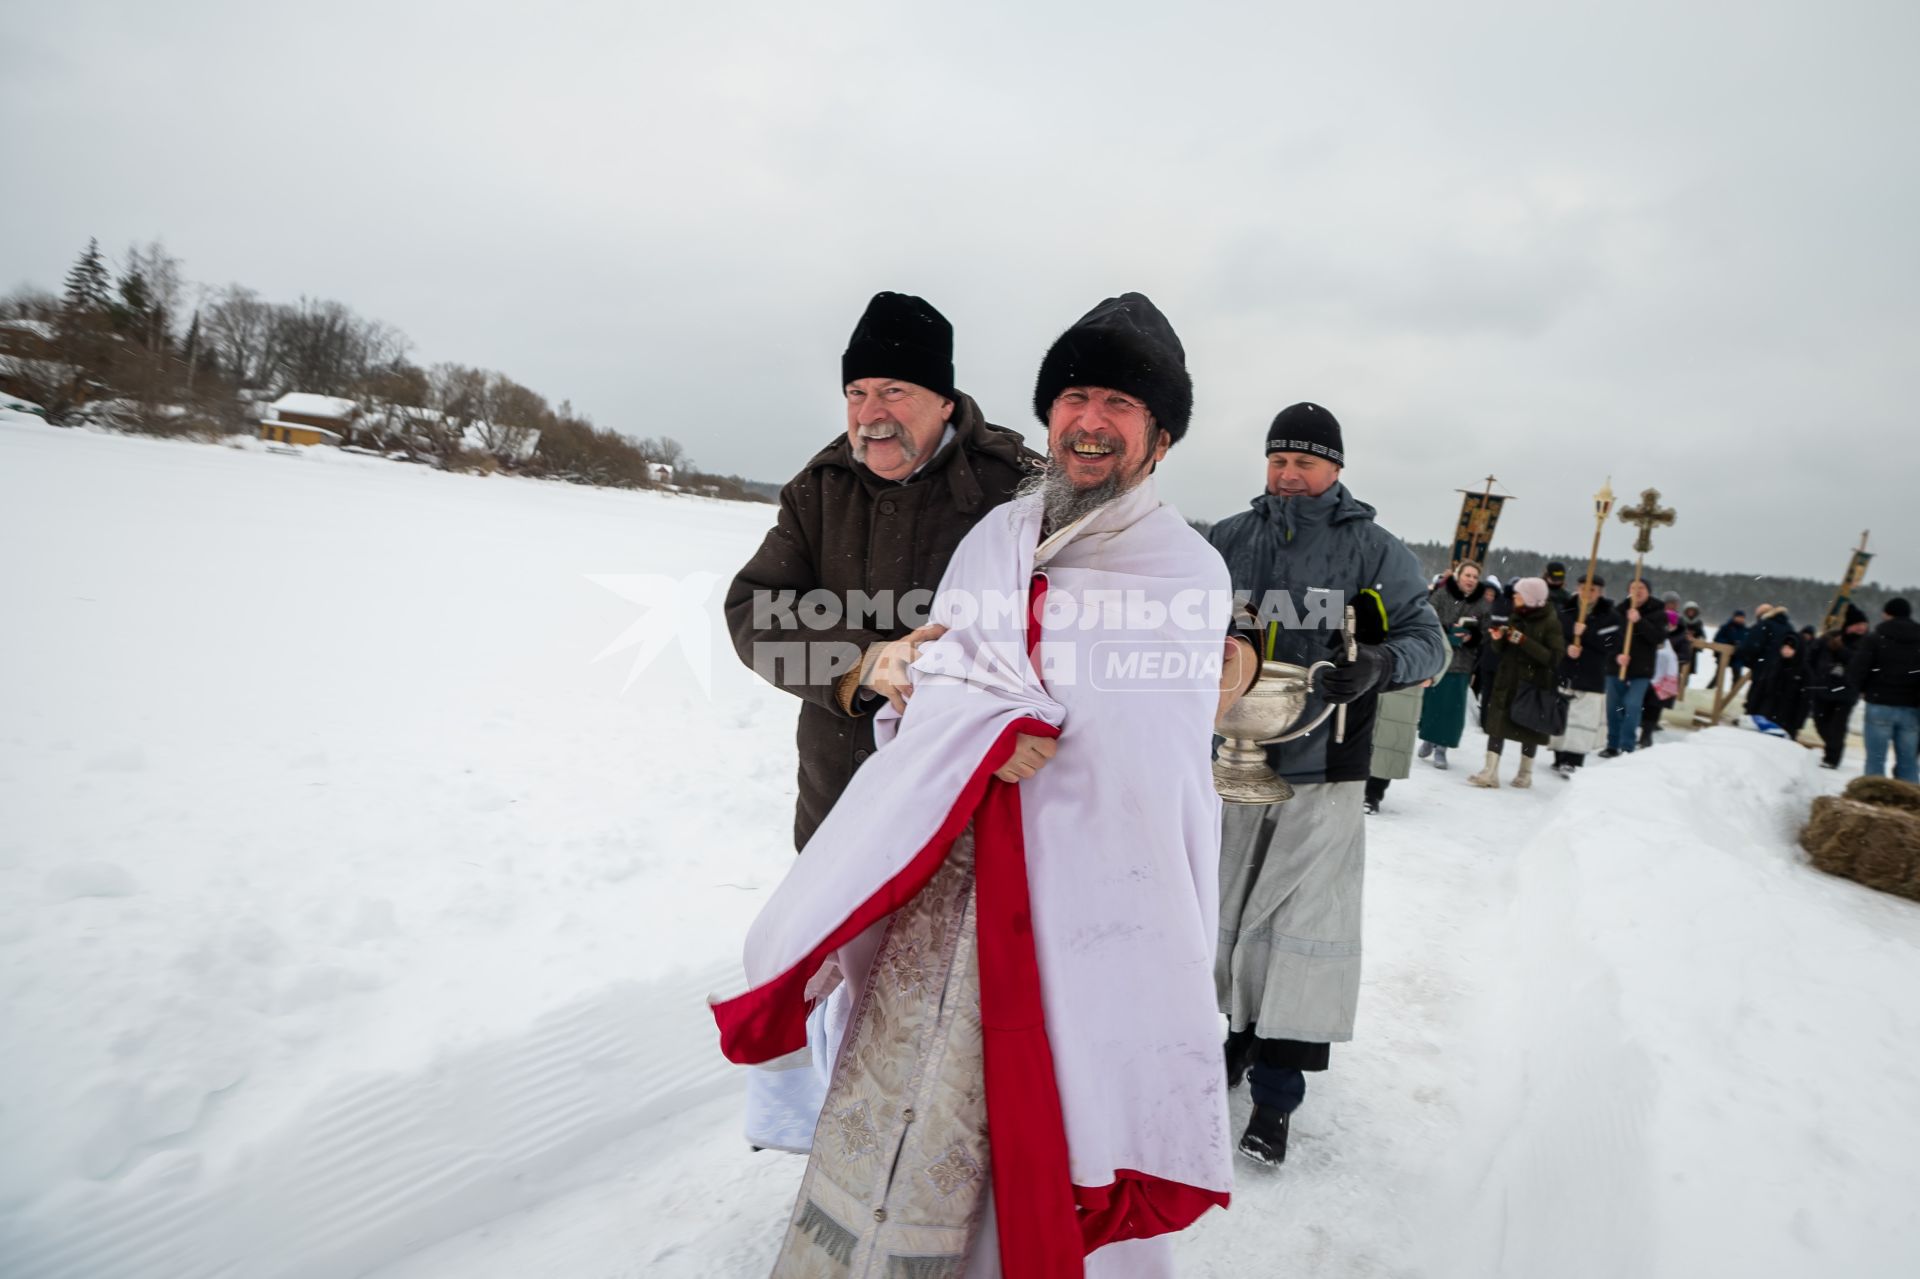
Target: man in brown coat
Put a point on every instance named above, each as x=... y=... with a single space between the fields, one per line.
x=869 y=523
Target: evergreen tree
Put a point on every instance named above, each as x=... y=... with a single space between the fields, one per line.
x=87 y=281
x=84 y=343
x=135 y=306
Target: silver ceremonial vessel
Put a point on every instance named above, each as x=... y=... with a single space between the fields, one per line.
x=1263 y=717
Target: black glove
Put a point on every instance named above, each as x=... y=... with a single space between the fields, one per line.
x=1371 y=668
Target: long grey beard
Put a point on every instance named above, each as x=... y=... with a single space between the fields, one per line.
x=1062 y=503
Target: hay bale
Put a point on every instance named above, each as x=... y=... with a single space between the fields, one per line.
x=1886 y=792
x=1867 y=843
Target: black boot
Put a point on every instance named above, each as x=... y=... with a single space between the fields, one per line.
x=1265 y=1141
x=1240 y=1047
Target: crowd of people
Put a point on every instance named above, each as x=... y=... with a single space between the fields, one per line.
x=1620 y=666
x=1800 y=674
x=993 y=1000
x=1576 y=672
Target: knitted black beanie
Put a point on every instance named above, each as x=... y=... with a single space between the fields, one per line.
x=1306 y=428
x=1125 y=344
x=900 y=336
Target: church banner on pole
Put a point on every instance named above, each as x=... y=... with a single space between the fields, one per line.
x=1856 y=574
x=1479 y=513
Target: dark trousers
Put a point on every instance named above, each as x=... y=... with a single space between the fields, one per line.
x=1276 y=1070
x=1576 y=758
x=1495 y=745
x=1278 y=1088
x=1377 y=788
x=1830 y=721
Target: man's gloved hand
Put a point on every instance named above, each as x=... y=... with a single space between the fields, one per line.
x=1371 y=668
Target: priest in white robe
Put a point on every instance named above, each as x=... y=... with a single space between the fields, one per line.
x=1018 y=893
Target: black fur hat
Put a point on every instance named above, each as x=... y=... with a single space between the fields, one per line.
x=901 y=336
x=1126 y=345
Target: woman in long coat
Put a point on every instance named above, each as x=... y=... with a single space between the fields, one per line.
x=1531 y=647
x=1463 y=614
x=1394 y=723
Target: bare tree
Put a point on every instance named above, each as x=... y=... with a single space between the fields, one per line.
x=327 y=348
x=242 y=333
x=665 y=449
x=457 y=398
x=510 y=420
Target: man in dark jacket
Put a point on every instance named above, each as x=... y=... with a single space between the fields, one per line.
x=1886 y=670
x=1291 y=874
x=1734 y=631
x=1486 y=657
x=1584 y=670
x=1556 y=579
x=1782 y=695
x=1680 y=640
x=1632 y=673
x=1772 y=628
x=869 y=523
x=1829 y=689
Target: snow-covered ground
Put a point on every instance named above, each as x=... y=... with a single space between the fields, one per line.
x=357 y=915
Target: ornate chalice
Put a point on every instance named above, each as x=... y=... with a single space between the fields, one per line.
x=1263 y=717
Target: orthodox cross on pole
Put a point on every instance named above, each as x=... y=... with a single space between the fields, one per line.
x=1646 y=517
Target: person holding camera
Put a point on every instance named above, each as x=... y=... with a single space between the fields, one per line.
x=1525 y=687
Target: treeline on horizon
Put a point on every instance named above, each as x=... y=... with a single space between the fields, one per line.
x=1806 y=599
x=136 y=346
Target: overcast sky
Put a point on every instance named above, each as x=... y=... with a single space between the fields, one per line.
x=1677 y=244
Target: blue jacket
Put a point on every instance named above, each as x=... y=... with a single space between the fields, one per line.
x=1305 y=558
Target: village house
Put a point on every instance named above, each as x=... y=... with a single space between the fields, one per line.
x=28 y=359
x=301 y=418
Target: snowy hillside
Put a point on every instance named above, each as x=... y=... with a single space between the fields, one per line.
x=357 y=910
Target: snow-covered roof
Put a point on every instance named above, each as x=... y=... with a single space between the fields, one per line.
x=39 y=328
x=308 y=405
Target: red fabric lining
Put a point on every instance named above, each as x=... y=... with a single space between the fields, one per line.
x=771 y=1019
x=1033 y=1194
x=1139 y=1206
x=1047 y=1224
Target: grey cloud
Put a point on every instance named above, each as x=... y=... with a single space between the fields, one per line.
x=1552 y=242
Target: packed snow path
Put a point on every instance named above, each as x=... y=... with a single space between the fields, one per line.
x=354 y=919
